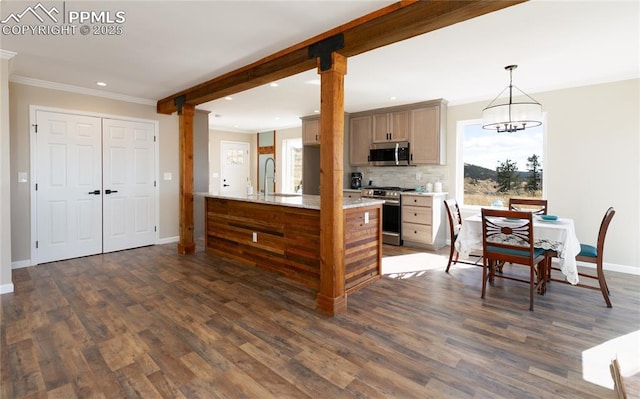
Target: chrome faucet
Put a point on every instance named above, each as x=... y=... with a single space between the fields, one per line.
x=266 y=162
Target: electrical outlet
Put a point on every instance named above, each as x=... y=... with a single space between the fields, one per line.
x=255 y=237
x=366 y=217
x=418 y=175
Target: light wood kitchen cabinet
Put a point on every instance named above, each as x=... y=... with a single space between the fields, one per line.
x=359 y=140
x=427 y=138
x=352 y=193
x=311 y=131
x=391 y=126
x=423 y=222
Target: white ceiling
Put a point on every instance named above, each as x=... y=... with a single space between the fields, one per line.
x=168 y=46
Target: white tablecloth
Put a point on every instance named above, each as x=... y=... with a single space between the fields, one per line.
x=557 y=235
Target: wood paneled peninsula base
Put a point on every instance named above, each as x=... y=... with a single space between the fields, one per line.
x=282 y=234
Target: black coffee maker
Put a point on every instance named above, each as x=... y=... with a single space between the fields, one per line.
x=356 y=180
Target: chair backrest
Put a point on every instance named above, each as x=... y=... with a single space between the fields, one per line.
x=507 y=235
x=455 y=218
x=604 y=226
x=535 y=205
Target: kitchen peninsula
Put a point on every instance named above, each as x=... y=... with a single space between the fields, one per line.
x=281 y=233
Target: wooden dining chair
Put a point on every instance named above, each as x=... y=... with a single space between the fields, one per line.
x=593 y=255
x=535 y=205
x=455 y=224
x=507 y=236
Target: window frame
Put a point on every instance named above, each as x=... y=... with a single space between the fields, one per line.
x=287 y=161
x=459 y=167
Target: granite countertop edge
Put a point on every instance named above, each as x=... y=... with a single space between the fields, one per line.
x=424 y=194
x=297 y=201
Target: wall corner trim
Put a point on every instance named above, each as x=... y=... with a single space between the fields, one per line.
x=6 y=288
x=80 y=90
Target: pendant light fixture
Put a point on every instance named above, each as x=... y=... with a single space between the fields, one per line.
x=512 y=116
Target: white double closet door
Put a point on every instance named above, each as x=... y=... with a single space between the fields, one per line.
x=95 y=185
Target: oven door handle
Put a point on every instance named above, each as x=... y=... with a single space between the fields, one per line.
x=392 y=202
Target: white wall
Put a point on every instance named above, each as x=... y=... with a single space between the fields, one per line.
x=5 y=177
x=215 y=137
x=591 y=162
x=200 y=168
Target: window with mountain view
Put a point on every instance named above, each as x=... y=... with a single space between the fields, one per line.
x=498 y=166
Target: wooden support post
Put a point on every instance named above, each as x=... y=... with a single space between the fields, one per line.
x=332 y=297
x=186 y=243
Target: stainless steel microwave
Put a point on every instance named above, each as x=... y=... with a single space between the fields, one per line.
x=390 y=154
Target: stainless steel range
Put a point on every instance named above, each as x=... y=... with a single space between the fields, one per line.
x=391 y=211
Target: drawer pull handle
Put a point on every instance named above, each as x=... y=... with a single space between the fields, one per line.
x=415 y=214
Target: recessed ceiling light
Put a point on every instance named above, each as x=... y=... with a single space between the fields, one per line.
x=101 y=84
x=316 y=111
x=392 y=98
x=277 y=118
x=274 y=84
x=228 y=98
x=313 y=82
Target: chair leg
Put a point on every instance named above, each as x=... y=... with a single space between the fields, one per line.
x=603 y=284
x=493 y=264
x=541 y=277
x=451 y=257
x=531 y=286
x=484 y=277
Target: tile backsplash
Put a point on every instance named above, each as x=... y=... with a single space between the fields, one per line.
x=405 y=176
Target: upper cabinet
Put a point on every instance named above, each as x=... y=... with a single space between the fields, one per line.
x=422 y=124
x=359 y=140
x=427 y=139
x=391 y=126
x=311 y=130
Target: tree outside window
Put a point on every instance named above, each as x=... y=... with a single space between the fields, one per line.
x=499 y=166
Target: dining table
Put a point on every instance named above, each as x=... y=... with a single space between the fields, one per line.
x=558 y=236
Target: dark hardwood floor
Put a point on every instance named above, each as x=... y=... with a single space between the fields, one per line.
x=148 y=323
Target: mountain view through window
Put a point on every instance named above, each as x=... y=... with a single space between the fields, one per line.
x=498 y=166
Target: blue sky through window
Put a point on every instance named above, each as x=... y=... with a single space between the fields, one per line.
x=486 y=147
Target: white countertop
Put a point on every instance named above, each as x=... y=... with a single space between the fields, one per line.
x=294 y=200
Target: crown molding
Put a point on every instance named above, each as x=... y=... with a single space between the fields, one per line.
x=6 y=54
x=80 y=90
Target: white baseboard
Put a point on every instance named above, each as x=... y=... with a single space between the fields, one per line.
x=167 y=240
x=6 y=288
x=614 y=268
x=20 y=264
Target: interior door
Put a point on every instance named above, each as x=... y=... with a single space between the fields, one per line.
x=234 y=167
x=129 y=186
x=69 y=186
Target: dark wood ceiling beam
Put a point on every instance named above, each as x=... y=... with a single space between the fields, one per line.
x=399 y=21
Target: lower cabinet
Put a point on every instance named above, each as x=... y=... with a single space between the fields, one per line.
x=423 y=222
x=351 y=193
